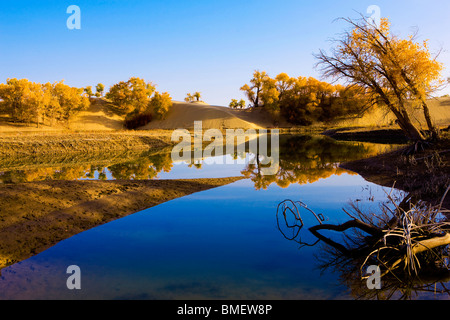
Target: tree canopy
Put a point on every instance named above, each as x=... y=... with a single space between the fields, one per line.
x=302 y=100
x=191 y=97
x=234 y=104
x=88 y=91
x=26 y=101
x=99 y=89
x=132 y=95
x=160 y=104
x=139 y=101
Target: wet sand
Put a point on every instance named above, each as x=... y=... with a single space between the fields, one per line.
x=35 y=216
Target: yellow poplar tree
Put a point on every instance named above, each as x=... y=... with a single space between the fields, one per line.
x=160 y=104
x=393 y=71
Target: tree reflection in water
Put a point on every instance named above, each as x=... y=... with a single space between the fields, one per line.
x=408 y=240
x=302 y=159
x=306 y=159
x=140 y=166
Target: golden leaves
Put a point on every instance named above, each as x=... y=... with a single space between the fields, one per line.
x=28 y=101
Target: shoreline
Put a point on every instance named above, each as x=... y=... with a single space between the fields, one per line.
x=387 y=135
x=35 y=216
x=424 y=175
x=52 y=143
x=71 y=142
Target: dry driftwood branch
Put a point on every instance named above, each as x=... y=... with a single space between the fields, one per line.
x=432 y=243
x=422 y=246
x=355 y=223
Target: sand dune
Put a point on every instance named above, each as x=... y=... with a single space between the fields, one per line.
x=97 y=117
x=183 y=115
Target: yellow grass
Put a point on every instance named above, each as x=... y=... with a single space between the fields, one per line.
x=33 y=143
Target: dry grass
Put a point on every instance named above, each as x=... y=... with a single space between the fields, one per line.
x=72 y=142
x=409 y=242
x=415 y=237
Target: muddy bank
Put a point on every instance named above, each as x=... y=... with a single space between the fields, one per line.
x=81 y=142
x=384 y=136
x=35 y=216
x=425 y=175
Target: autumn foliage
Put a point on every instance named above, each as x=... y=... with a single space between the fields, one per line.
x=302 y=100
x=196 y=96
x=234 y=104
x=160 y=104
x=30 y=102
x=139 y=101
x=131 y=96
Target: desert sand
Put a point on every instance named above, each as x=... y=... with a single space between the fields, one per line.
x=183 y=115
x=97 y=117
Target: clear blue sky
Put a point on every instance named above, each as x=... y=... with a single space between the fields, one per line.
x=185 y=46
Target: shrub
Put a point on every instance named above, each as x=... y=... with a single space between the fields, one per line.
x=136 y=120
x=160 y=104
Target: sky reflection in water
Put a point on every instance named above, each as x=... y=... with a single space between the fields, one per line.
x=222 y=243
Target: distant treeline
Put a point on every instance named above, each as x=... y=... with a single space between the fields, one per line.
x=304 y=101
x=30 y=102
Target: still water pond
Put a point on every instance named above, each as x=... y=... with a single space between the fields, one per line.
x=224 y=243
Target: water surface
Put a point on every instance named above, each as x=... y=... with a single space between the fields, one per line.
x=223 y=243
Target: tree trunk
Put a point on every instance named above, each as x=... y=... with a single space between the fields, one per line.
x=37 y=119
x=426 y=112
x=406 y=124
x=257 y=98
